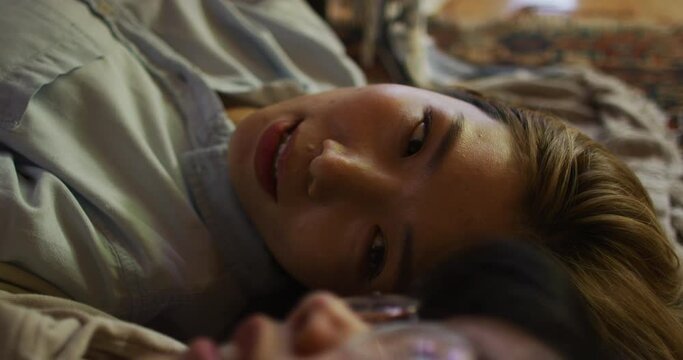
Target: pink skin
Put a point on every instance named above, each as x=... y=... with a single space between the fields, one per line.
x=322 y=324
x=346 y=189
x=201 y=349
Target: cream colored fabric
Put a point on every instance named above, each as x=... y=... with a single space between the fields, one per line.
x=46 y=327
x=16 y=280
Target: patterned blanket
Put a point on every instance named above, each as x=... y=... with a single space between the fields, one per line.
x=648 y=56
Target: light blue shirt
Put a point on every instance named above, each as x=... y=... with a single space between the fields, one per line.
x=113 y=180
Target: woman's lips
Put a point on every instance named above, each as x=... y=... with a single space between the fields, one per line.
x=266 y=152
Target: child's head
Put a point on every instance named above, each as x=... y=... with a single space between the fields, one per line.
x=374 y=184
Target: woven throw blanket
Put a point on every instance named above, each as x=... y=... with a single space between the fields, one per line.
x=613 y=113
x=646 y=55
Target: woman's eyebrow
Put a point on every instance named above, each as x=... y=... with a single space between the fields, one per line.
x=447 y=141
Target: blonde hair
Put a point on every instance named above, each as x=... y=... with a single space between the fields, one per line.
x=590 y=211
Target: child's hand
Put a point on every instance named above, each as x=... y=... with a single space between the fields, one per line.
x=202 y=349
x=321 y=323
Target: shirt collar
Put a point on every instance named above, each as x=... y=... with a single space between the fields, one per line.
x=244 y=252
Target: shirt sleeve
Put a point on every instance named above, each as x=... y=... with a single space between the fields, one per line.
x=46 y=327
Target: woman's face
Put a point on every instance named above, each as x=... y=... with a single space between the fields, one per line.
x=360 y=189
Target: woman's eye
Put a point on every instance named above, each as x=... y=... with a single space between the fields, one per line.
x=376 y=255
x=419 y=135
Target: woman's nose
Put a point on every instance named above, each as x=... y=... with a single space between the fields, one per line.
x=344 y=172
